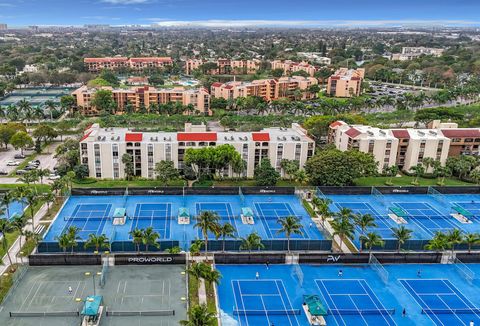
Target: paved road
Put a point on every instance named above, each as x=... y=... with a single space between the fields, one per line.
x=8 y=155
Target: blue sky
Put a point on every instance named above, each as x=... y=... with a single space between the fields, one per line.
x=240 y=12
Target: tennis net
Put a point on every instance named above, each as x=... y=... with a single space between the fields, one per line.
x=361 y=311
x=141 y=313
x=451 y=311
x=267 y=312
x=85 y=219
x=44 y=314
x=240 y=193
x=378 y=267
x=464 y=270
x=438 y=197
x=103 y=277
x=379 y=196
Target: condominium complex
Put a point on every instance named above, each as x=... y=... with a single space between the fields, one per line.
x=290 y=67
x=346 y=82
x=410 y=53
x=406 y=147
x=144 y=96
x=224 y=66
x=98 y=64
x=269 y=89
x=102 y=149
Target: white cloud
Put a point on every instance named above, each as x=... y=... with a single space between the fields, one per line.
x=3 y=4
x=307 y=23
x=126 y=2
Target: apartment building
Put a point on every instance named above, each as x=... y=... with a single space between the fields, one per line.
x=102 y=149
x=224 y=66
x=144 y=96
x=98 y=64
x=346 y=82
x=408 y=147
x=411 y=53
x=290 y=67
x=269 y=89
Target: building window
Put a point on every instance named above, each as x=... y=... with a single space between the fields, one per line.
x=150 y=160
x=168 y=152
x=298 y=152
x=279 y=157
x=98 y=164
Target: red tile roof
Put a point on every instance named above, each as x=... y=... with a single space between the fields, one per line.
x=336 y=124
x=85 y=136
x=197 y=136
x=217 y=84
x=134 y=137
x=461 y=133
x=352 y=132
x=261 y=136
x=116 y=59
x=151 y=59
x=401 y=133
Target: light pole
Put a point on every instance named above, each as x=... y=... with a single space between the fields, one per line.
x=93 y=279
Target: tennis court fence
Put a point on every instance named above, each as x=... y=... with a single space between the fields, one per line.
x=465 y=271
x=379 y=268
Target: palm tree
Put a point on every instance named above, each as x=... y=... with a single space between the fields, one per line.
x=199 y=315
x=289 y=225
x=197 y=270
x=63 y=241
x=18 y=224
x=401 y=234
x=438 y=243
x=97 y=241
x=7 y=199
x=137 y=237
x=344 y=228
x=207 y=221
x=32 y=199
x=72 y=233
x=41 y=173
x=364 y=221
x=212 y=276
x=471 y=239
x=5 y=227
x=372 y=239
x=49 y=198
x=324 y=211
x=252 y=241
x=418 y=170
x=454 y=237
x=226 y=230
x=150 y=237
x=344 y=213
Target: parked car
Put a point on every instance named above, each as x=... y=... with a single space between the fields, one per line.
x=53 y=177
x=36 y=162
x=3 y=172
x=19 y=156
x=20 y=172
x=13 y=163
x=31 y=167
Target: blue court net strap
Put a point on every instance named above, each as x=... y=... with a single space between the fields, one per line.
x=266 y=312
x=361 y=311
x=451 y=311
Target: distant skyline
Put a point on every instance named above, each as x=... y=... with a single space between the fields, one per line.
x=242 y=13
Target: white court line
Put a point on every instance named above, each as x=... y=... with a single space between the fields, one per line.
x=375 y=302
x=317 y=281
x=288 y=299
x=236 y=302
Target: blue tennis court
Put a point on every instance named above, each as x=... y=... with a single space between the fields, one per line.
x=158 y=216
x=224 y=211
x=427 y=217
x=263 y=302
x=89 y=219
x=384 y=223
x=442 y=301
x=352 y=302
x=269 y=213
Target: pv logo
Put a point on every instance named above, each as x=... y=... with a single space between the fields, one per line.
x=332 y=258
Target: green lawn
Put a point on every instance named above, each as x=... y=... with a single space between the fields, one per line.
x=39 y=187
x=123 y=183
x=407 y=181
x=251 y=183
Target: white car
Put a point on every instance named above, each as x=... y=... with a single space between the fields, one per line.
x=13 y=163
x=53 y=177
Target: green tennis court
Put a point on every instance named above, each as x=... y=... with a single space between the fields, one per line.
x=128 y=292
